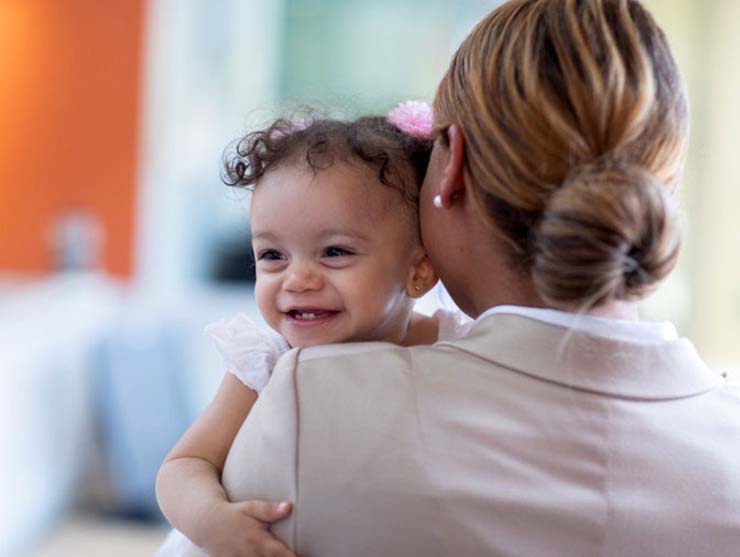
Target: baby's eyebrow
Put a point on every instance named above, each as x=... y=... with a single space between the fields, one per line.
x=322 y=235
x=264 y=236
x=352 y=233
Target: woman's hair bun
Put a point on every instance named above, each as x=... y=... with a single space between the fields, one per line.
x=609 y=232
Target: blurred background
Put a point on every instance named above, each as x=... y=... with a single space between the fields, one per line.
x=119 y=242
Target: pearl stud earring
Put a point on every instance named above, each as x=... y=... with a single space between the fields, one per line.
x=437 y=201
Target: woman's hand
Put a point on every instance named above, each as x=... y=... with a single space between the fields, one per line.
x=240 y=529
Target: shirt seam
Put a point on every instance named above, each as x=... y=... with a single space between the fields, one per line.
x=295 y=510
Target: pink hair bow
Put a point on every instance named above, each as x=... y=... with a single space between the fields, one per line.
x=297 y=126
x=413 y=118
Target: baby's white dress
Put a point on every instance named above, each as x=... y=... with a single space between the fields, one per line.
x=250 y=352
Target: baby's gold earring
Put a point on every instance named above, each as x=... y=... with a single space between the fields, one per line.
x=417 y=288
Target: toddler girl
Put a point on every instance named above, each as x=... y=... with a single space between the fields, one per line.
x=338 y=259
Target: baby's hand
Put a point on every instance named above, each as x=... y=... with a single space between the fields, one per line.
x=240 y=529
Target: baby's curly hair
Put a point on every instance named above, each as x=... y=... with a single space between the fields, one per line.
x=400 y=159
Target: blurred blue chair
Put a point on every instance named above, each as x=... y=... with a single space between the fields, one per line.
x=139 y=380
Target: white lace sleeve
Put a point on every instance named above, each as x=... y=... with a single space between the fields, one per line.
x=248 y=350
x=452 y=324
x=177 y=545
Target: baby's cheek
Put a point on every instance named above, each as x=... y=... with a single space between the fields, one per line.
x=266 y=302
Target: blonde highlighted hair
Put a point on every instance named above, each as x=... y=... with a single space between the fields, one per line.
x=575 y=122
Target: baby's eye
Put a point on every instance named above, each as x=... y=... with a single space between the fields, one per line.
x=270 y=255
x=335 y=251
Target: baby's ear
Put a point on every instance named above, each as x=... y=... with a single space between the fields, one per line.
x=422 y=277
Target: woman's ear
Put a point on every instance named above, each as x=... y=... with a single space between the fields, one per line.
x=452 y=187
x=422 y=277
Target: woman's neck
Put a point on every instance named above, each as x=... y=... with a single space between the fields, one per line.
x=491 y=276
x=626 y=311
x=524 y=294
x=512 y=286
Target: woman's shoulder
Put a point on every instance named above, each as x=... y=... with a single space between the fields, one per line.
x=347 y=350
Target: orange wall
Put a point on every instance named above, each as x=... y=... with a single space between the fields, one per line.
x=69 y=111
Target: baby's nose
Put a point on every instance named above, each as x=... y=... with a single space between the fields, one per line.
x=302 y=277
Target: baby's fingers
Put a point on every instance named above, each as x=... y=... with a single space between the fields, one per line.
x=266 y=511
x=273 y=548
x=260 y=542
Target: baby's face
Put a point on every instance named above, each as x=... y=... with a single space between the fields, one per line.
x=334 y=252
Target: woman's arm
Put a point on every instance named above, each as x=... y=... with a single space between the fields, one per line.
x=189 y=491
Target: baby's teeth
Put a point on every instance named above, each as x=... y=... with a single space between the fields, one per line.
x=309 y=315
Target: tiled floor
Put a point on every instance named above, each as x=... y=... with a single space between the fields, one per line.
x=88 y=536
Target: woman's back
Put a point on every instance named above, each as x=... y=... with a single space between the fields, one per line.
x=512 y=441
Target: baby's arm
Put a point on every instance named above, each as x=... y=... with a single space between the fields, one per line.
x=422 y=330
x=189 y=491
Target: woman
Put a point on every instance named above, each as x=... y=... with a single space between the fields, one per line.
x=561 y=425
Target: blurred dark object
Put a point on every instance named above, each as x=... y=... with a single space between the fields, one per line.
x=234 y=261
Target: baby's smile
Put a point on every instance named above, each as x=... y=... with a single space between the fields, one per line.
x=309 y=317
